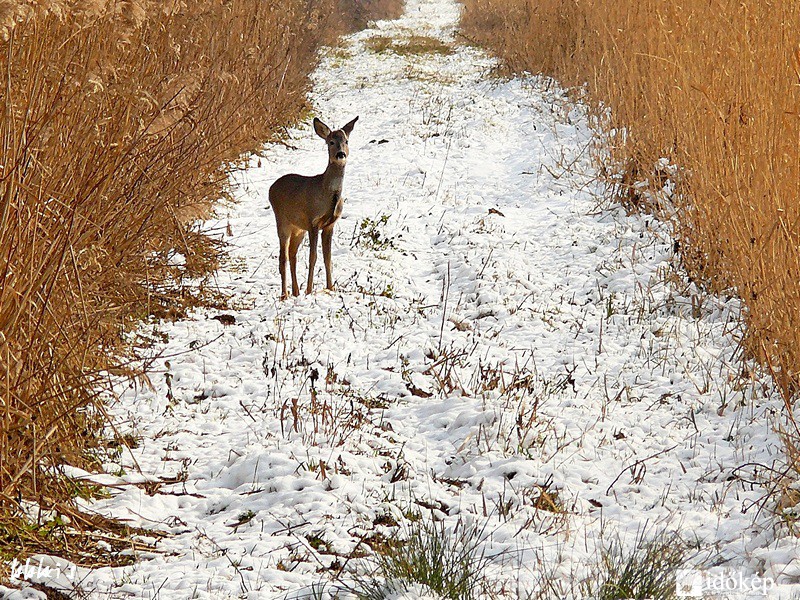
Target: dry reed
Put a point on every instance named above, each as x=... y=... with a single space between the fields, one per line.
x=714 y=87
x=120 y=123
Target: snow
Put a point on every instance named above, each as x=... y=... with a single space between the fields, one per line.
x=496 y=328
x=25 y=593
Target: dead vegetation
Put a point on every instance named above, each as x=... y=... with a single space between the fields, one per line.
x=361 y=12
x=120 y=124
x=412 y=45
x=704 y=122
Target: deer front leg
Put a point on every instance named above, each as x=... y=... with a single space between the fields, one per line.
x=313 y=235
x=327 y=237
x=294 y=244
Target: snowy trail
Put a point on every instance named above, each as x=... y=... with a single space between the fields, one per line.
x=494 y=332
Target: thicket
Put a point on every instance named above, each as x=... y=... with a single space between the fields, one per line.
x=713 y=87
x=120 y=122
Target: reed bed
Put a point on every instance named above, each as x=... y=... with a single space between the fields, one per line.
x=714 y=88
x=120 y=122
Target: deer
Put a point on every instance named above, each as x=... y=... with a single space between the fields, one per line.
x=310 y=204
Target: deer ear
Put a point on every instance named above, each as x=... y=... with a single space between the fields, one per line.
x=349 y=127
x=322 y=130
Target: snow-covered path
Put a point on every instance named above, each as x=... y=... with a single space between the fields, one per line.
x=494 y=332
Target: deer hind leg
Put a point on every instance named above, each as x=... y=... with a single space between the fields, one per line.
x=327 y=237
x=283 y=256
x=294 y=244
x=313 y=235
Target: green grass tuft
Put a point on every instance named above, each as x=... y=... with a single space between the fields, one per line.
x=447 y=563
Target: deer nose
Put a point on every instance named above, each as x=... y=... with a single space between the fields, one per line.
x=341 y=155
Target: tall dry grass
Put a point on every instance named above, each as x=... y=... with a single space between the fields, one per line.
x=120 y=121
x=714 y=86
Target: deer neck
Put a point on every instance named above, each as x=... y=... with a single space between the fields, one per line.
x=333 y=177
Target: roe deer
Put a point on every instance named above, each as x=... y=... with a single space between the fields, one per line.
x=311 y=204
